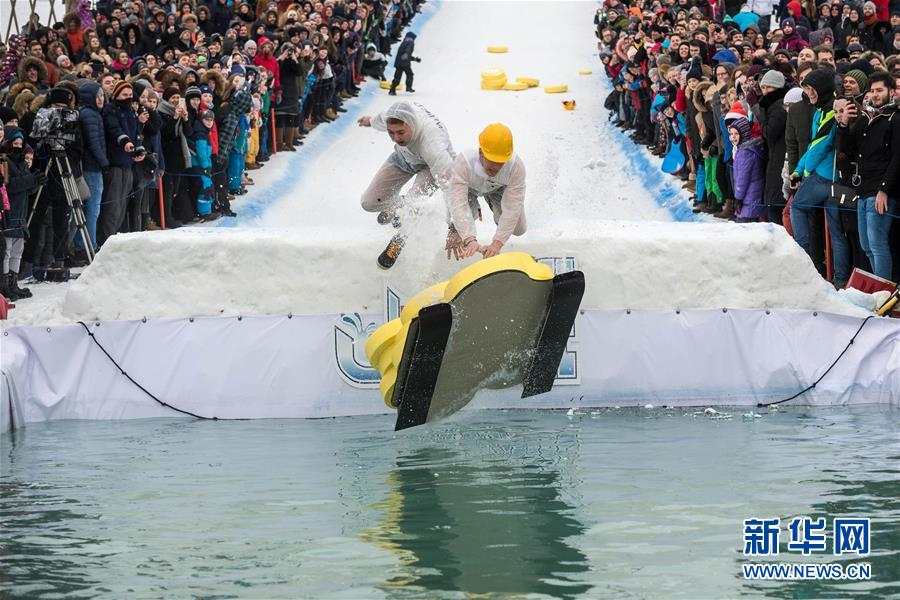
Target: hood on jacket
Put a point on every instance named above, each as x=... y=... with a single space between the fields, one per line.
x=822 y=81
x=30 y=61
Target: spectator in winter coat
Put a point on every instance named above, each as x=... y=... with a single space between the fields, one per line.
x=816 y=170
x=403 y=63
x=19 y=183
x=123 y=136
x=871 y=139
x=773 y=121
x=749 y=170
x=792 y=40
x=373 y=63
x=201 y=161
x=94 y=161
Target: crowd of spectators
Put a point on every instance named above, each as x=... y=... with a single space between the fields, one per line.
x=157 y=111
x=770 y=111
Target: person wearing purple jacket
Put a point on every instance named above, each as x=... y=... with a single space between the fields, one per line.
x=749 y=171
x=792 y=40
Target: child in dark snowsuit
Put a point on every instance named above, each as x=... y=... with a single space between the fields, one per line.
x=403 y=63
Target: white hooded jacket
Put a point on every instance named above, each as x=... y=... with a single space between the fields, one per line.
x=468 y=174
x=430 y=144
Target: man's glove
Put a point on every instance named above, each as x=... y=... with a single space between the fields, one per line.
x=417 y=59
x=795 y=181
x=40 y=179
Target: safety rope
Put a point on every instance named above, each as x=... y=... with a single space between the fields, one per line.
x=821 y=377
x=145 y=390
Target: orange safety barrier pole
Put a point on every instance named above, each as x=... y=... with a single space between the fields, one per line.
x=272 y=123
x=162 y=205
x=829 y=274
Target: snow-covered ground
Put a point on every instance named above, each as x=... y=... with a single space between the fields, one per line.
x=583 y=176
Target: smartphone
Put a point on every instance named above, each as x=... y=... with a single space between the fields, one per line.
x=181 y=103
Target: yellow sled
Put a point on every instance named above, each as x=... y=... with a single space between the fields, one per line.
x=500 y=322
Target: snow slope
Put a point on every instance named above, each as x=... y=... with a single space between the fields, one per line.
x=586 y=190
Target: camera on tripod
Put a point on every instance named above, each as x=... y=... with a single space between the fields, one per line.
x=55 y=128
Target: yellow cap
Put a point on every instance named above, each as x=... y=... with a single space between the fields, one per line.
x=496 y=143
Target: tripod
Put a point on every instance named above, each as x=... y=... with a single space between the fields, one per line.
x=60 y=160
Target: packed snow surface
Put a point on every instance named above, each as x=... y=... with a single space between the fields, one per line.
x=265 y=271
x=302 y=243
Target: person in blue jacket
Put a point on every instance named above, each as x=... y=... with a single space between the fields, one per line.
x=94 y=161
x=201 y=163
x=815 y=173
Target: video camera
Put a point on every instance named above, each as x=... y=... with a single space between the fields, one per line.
x=55 y=128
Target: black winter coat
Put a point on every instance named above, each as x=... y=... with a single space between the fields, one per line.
x=94 y=158
x=774 y=124
x=873 y=143
x=122 y=127
x=18 y=186
x=405 y=51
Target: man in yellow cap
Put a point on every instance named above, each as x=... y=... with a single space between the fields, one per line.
x=492 y=171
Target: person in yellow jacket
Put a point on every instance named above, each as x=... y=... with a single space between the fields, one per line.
x=492 y=171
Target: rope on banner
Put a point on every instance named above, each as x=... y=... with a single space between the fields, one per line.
x=821 y=377
x=143 y=389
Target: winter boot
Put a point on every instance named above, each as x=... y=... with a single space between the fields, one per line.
x=330 y=114
x=7 y=289
x=279 y=139
x=727 y=211
x=14 y=285
x=387 y=258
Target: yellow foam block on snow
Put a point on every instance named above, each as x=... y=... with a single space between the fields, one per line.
x=556 y=89
x=386 y=85
x=515 y=87
x=493 y=73
x=585 y=72
x=529 y=81
x=493 y=84
x=498 y=49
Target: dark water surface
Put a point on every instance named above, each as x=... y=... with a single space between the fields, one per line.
x=607 y=503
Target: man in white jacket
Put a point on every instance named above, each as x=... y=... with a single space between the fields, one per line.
x=494 y=172
x=422 y=149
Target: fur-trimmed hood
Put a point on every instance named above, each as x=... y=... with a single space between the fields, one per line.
x=215 y=75
x=29 y=61
x=699 y=96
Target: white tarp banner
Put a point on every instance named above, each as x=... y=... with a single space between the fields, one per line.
x=314 y=366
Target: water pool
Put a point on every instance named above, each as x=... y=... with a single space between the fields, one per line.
x=606 y=503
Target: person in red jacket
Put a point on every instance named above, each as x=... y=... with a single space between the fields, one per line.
x=266 y=58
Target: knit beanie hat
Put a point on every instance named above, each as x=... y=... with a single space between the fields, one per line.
x=772 y=79
x=793 y=96
x=860 y=78
x=192 y=92
x=742 y=125
x=171 y=91
x=120 y=85
x=737 y=111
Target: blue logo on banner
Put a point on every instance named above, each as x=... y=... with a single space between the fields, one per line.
x=350 y=337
